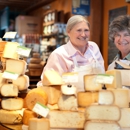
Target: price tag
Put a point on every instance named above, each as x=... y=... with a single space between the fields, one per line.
x=24 y=51
x=70 y=78
x=41 y=109
x=104 y=79
x=10 y=35
x=10 y=75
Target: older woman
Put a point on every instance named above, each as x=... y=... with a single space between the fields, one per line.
x=79 y=54
x=119 y=34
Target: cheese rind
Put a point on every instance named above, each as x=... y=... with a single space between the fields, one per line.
x=102 y=112
x=91 y=125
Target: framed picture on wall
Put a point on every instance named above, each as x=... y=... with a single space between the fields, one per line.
x=112 y=50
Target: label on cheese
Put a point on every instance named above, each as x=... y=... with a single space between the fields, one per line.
x=10 y=35
x=24 y=51
x=10 y=75
x=104 y=79
x=41 y=109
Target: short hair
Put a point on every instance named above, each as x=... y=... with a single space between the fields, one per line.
x=75 y=20
x=120 y=23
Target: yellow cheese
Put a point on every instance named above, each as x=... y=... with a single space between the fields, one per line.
x=51 y=77
x=9 y=90
x=10 y=117
x=87 y=98
x=91 y=125
x=68 y=103
x=39 y=124
x=27 y=114
x=102 y=112
x=117 y=79
x=90 y=83
x=22 y=82
x=106 y=97
x=36 y=95
x=125 y=118
x=66 y=119
x=2 y=80
x=16 y=66
x=10 y=50
x=53 y=107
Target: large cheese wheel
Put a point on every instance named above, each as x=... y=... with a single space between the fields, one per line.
x=90 y=83
x=9 y=90
x=10 y=50
x=35 y=60
x=51 y=77
x=68 y=103
x=87 y=98
x=117 y=83
x=16 y=66
x=12 y=103
x=27 y=114
x=10 y=117
x=102 y=112
x=39 y=124
x=22 y=82
x=91 y=125
x=36 y=95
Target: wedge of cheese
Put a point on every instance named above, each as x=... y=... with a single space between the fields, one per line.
x=22 y=82
x=117 y=82
x=27 y=114
x=39 y=124
x=87 y=98
x=10 y=117
x=36 y=95
x=66 y=119
x=91 y=125
x=12 y=103
x=102 y=112
x=16 y=66
x=90 y=83
x=9 y=90
x=125 y=118
x=68 y=103
x=53 y=93
x=51 y=77
x=10 y=50
x=106 y=97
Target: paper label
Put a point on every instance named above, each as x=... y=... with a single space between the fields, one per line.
x=10 y=75
x=24 y=51
x=72 y=78
x=41 y=109
x=104 y=79
x=10 y=35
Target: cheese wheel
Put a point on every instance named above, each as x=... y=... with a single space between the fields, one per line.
x=68 y=103
x=91 y=125
x=106 y=97
x=102 y=112
x=10 y=117
x=9 y=90
x=22 y=82
x=117 y=79
x=39 y=124
x=125 y=118
x=27 y=114
x=90 y=83
x=35 y=60
x=10 y=50
x=87 y=98
x=12 y=103
x=36 y=95
x=16 y=66
x=66 y=119
x=51 y=77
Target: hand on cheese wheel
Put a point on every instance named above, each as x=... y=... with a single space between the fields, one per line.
x=36 y=95
x=68 y=89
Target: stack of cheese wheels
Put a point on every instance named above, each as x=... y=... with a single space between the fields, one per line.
x=35 y=67
x=11 y=104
